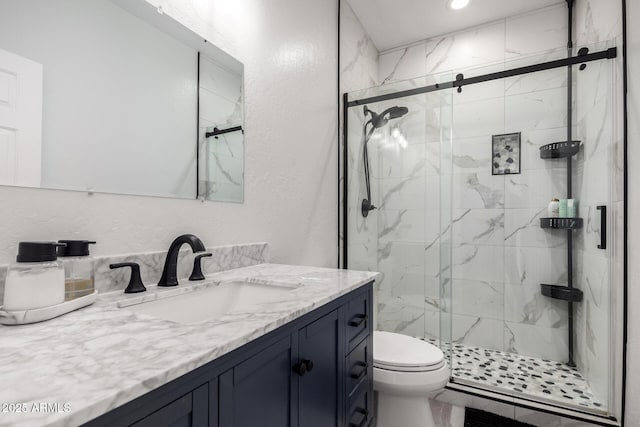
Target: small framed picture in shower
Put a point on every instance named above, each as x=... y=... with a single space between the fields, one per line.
x=505 y=158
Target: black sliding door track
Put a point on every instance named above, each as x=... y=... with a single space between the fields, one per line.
x=461 y=81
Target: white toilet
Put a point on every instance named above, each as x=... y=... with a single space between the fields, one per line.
x=406 y=371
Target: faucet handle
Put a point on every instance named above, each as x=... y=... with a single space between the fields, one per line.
x=196 y=274
x=135 y=282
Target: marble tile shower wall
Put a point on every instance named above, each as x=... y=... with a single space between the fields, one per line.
x=500 y=256
x=497 y=297
x=359 y=70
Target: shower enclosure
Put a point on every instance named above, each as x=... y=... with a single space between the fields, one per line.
x=457 y=222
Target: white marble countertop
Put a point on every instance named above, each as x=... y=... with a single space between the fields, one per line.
x=96 y=359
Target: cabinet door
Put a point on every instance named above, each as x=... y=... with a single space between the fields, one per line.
x=257 y=392
x=191 y=410
x=318 y=391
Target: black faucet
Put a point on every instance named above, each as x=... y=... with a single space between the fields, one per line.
x=170 y=271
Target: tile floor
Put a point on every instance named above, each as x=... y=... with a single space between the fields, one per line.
x=546 y=380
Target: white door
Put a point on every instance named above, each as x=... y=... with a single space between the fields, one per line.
x=20 y=120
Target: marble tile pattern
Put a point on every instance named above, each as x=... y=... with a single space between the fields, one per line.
x=497 y=246
x=152 y=263
x=359 y=70
x=486 y=291
x=101 y=357
x=542 y=378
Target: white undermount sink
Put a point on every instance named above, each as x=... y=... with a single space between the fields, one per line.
x=213 y=302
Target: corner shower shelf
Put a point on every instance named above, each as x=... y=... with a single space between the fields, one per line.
x=563 y=293
x=558 y=150
x=561 y=223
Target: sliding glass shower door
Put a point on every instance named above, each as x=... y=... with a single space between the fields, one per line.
x=522 y=293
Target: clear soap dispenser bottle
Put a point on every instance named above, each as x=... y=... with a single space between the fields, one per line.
x=78 y=268
x=36 y=279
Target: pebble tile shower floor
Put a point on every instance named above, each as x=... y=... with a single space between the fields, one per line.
x=551 y=381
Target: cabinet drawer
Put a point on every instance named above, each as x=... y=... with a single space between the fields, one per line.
x=358 y=318
x=188 y=411
x=361 y=406
x=358 y=366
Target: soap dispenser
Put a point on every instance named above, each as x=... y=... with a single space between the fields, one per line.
x=78 y=268
x=36 y=280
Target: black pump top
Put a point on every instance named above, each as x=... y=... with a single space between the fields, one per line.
x=74 y=248
x=37 y=251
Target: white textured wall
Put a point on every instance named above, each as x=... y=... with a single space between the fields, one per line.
x=288 y=48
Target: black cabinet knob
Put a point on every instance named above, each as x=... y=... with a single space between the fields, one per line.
x=300 y=368
x=303 y=367
x=135 y=282
x=309 y=364
x=364 y=416
x=357 y=320
x=360 y=372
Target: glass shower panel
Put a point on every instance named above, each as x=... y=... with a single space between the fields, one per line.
x=400 y=237
x=507 y=335
x=594 y=185
x=470 y=260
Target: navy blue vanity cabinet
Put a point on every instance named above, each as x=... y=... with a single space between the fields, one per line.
x=315 y=371
x=359 y=360
x=293 y=382
x=189 y=410
x=319 y=392
x=257 y=392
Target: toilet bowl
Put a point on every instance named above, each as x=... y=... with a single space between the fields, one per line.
x=406 y=371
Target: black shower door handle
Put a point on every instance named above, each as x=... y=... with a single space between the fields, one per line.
x=603 y=227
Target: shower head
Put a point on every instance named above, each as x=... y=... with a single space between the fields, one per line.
x=380 y=120
x=377 y=121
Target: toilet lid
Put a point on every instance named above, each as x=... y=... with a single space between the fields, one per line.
x=401 y=351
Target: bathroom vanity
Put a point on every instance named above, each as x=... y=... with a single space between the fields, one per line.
x=303 y=360
x=313 y=371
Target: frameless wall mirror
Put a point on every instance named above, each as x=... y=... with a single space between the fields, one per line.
x=114 y=96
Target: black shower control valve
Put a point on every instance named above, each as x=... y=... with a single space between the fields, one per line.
x=135 y=282
x=366 y=207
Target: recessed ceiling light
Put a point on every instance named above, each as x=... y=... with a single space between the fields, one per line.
x=458 y=4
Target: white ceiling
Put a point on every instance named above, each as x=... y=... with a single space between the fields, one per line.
x=393 y=23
